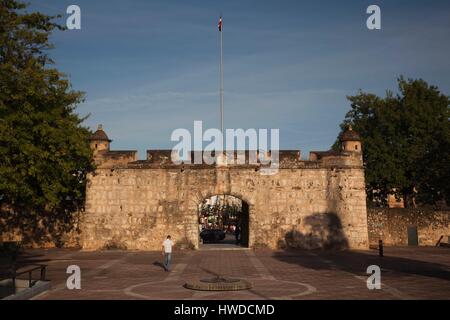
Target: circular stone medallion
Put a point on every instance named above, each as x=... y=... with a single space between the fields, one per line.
x=218 y=284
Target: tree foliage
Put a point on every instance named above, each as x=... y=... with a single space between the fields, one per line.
x=406 y=142
x=44 y=150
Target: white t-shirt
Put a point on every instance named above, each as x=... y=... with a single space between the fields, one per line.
x=168 y=246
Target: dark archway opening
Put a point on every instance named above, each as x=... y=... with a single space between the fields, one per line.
x=223 y=222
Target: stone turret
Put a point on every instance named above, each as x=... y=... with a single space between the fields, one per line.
x=351 y=141
x=99 y=140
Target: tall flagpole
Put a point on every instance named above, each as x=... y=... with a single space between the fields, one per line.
x=221 y=82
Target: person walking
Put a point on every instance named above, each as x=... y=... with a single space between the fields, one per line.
x=167 y=252
x=237 y=232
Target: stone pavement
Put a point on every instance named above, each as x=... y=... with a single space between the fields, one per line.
x=407 y=273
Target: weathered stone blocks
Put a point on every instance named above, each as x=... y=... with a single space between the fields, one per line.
x=137 y=205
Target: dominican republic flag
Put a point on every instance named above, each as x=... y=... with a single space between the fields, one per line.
x=220 y=24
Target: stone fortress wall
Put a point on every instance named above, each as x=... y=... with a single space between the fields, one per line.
x=320 y=203
x=391 y=225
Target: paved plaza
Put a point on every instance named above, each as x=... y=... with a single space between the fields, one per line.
x=407 y=273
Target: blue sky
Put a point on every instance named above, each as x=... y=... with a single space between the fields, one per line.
x=149 y=67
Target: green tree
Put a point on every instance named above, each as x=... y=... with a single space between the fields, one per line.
x=406 y=142
x=44 y=149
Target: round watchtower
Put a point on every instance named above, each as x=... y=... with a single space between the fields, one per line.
x=99 y=141
x=351 y=141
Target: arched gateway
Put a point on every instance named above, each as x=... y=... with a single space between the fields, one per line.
x=134 y=204
x=223 y=222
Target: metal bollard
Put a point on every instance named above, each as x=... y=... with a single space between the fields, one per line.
x=43 y=269
x=380 y=248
